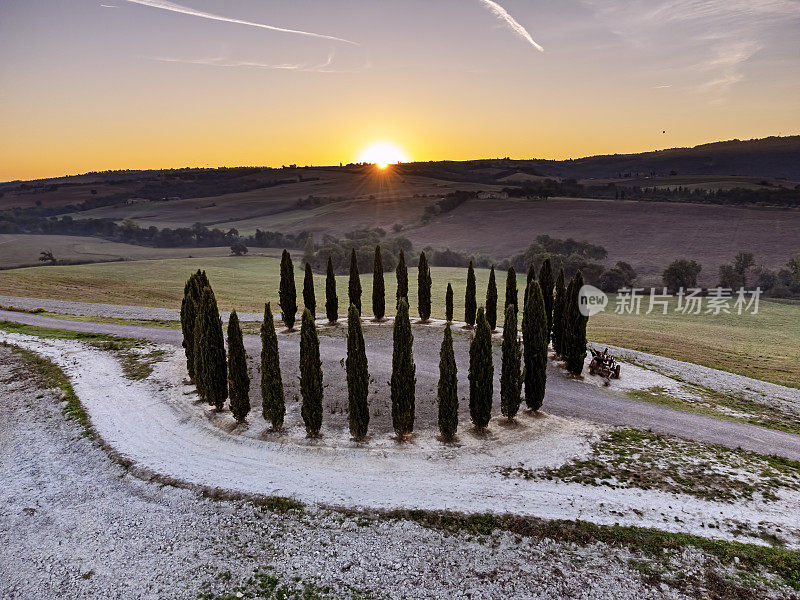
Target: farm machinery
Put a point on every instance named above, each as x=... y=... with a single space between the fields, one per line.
x=603 y=364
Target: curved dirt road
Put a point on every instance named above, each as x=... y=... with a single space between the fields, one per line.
x=565 y=397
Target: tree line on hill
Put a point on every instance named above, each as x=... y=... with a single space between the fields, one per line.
x=767 y=195
x=549 y=311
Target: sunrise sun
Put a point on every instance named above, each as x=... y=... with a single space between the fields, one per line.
x=382 y=154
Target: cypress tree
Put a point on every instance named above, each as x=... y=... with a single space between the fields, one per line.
x=404 y=379
x=287 y=292
x=210 y=366
x=510 y=379
x=331 y=299
x=491 y=301
x=273 y=406
x=378 y=287
x=481 y=373
x=310 y=376
x=238 y=377
x=424 y=288
x=511 y=289
x=529 y=278
x=357 y=375
x=354 y=287
x=448 y=304
x=309 y=297
x=574 y=328
x=448 y=387
x=534 y=338
x=189 y=309
x=546 y=282
x=558 y=313
x=402 y=279
x=470 y=302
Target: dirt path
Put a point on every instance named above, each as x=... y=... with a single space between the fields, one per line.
x=564 y=398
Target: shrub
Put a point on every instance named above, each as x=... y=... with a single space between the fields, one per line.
x=357 y=376
x=510 y=381
x=404 y=380
x=309 y=296
x=378 y=286
x=534 y=339
x=470 y=302
x=424 y=289
x=287 y=292
x=238 y=377
x=448 y=387
x=491 y=301
x=310 y=376
x=331 y=299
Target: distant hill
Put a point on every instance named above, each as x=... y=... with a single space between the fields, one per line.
x=777 y=157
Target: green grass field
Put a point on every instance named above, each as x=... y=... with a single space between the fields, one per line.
x=764 y=346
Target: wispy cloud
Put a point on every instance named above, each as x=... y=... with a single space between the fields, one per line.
x=221 y=61
x=502 y=14
x=178 y=8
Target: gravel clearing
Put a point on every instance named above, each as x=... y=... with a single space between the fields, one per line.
x=160 y=427
x=76 y=525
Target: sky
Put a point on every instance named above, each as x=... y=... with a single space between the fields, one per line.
x=134 y=84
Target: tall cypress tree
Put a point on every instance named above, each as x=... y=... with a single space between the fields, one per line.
x=470 y=301
x=491 y=301
x=404 y=373
x=546 y=282
x=402 y=279
x=448 y=387
x=510 y=379
x=287 y=292
x=310 y=376
x=558 y=313
x=481 y=373
x=531 y=276
x=210 y=366
x=331 y=299
x=238 y=377
x=378 y=287
x=357 y=375
x=354 y=287
x=273 y=406
x=534 y=338
x=309 y=297
x=424 y=288
x=448 y=304
x=189 y=308
x=511 y=289
x=574 y=328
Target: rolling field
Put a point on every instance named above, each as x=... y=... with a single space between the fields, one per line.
x=17 y=250
x=763 y=346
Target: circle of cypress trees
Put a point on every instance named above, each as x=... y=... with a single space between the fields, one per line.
x=273 y=405
x=310 y=376
x=510 y=378
x=354 y=285
x=448 y=387
x=357 y=376
x=404 y=373
x=491 y=301
x=481 y=373
x=331 y=299
x=238 y=377
x=287 y=292
x=309 y=297
x=534 y=339
x=470 y=301
x=424 y=288
x=378 y=287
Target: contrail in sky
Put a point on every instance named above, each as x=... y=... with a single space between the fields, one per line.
x=502 y=13
x=171 y=6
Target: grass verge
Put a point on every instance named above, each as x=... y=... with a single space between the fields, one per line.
x=631 y=458
x=136 y=363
